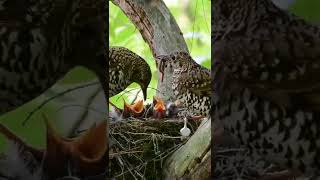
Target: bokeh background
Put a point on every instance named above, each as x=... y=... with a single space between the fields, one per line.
x=83 y=107
x=308 y=10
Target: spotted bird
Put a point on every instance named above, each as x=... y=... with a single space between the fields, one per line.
x=266 y=79
x=126 y=67
x=191 y=82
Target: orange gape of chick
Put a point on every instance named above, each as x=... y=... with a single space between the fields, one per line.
x=134 y=110
x=86 y=152
x=159 y=109
x=138 y=110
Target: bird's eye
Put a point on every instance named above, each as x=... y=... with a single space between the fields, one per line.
x=173 y=57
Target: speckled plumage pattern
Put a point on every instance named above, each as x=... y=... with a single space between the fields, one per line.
x=191 y=82
x=126 y=67
x=41 y=40
x=266 y=74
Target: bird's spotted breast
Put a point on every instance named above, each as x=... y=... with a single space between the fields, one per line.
x=270 y=132
x=267 y=81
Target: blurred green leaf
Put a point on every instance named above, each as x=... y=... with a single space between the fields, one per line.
x=308 y=10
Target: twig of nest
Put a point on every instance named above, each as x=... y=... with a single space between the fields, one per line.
x=140 y=146
x=238 y=163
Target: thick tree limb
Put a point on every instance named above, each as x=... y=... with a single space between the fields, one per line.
x=192 y=159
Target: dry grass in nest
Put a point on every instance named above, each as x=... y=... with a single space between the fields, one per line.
x=140 y=146
x=238 y=163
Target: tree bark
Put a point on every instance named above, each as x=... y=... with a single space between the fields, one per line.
x=283 y=4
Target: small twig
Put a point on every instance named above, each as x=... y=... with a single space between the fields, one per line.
x=282 y=175
x=125 y=152
x=56 y=96
x=152 y=134
x=168 y=152
x=136 y=96
x=230 y=150
x=80 y=106
x=157 y=90
x=85 y=113
x=125 y=92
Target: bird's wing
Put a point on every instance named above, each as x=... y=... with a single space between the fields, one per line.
x=122 y=56
x=117 y=57
x=284 y=70
x=197 y=79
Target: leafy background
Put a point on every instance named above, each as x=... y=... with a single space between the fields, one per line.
x=193 y=17
x=309 y=10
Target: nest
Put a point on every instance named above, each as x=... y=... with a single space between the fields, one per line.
x=139 y=147
x=238 y=163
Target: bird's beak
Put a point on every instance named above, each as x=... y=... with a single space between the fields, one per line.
x=144 y=91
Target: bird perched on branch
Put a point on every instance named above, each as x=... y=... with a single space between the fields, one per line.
x=191 y=82
x=266 y=77
x=40 y=41
x=126 y=67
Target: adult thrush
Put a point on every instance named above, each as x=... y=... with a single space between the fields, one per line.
x=40 y=41
x=191 y=82
x=266 y=79
x=126 y=67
